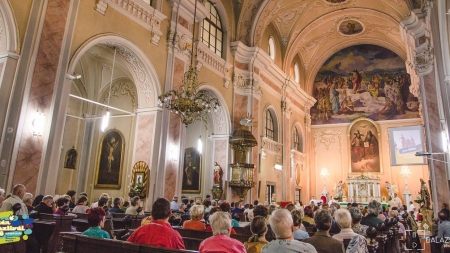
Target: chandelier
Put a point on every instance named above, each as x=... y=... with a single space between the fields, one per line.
x=188 y=102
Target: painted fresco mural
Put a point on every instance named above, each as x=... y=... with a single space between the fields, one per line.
x=363 y=81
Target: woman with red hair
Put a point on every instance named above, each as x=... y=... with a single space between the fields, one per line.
x=96 y=220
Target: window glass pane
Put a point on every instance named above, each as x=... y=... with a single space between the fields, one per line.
x=219 y=35
x=218 y=46
x=297 y=73
x=271 y=48
x=212 y=41
x=205 y=36
x=212 y=34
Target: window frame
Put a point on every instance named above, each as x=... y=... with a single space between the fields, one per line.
x=296 y=73
x=269 y=129
x=212 y=26
x=271 y=48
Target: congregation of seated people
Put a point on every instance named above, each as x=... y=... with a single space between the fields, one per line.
x=268 y=227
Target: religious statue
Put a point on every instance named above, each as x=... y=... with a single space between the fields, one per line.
x=218 y=174
x=339 y=192
x=423 y=199
x=390 y=191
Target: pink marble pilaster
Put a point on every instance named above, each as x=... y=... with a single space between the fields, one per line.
x=41 y=92
x=144 y=140
x=255 y=150
x=240 y=109
x=172 y=174
x=287 y=157
x=434 y=143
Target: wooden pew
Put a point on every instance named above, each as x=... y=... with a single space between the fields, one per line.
x=75 y=243
x=47 y=228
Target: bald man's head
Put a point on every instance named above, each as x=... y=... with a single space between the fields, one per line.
x=19 y=190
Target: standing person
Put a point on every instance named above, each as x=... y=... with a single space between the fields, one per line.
x=158 y=232
x=221 y=241
x=397 y=201
x=18 y=192
x=322 y=240
x=282 y=225
x=174 y=204
x=258 y=239
x=96 y=220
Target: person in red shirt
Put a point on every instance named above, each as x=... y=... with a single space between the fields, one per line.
x=221 y=241
x=158 y=232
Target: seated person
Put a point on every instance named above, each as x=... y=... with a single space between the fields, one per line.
x=28 y=201
x=356 y=215
x=211 y=212
x=237 y=211
x=81 y=206
x=126 y=204
x=357 y=243
x=299 y=234
x=225 y=207
x=282 y=225
x=371 y=219
x=135 y=204
x=46 y=206
x=158 y=232
x=258 y=239
x=221 y=241
x=322 y=240
x=62 y=204
x=118 y=202
x=96 y=220
x=443 y=234
x=260 y=210
x=195 y=223
x=103 y=203
x=309 y=216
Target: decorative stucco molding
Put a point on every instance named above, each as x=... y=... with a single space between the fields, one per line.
x=271 y=146
x=424 y=58
x=206 y=57
x=328 y=137
x=122 y=89
x=141 y=78
x=138 y=11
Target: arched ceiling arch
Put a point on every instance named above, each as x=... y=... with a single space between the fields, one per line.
x=310 y=28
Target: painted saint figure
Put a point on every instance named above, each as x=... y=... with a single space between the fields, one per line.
x=357 y=147
x=189 y=174
x=218 y=173
x=390 y=191
x=339 y=192
x=424 y=196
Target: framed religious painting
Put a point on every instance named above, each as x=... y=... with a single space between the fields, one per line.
x=108 y=172
x=71 y=158
x=139 y=180
x=191 y=171
x=364 y=148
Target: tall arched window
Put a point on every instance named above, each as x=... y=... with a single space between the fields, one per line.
x=212 y=34
x=271 y=48
x=298 y=145
x=270 y=130
x=296 y=73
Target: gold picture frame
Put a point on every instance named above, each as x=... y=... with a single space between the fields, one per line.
x=364 y=146
x=192 y=171
x=109 y=167
x=139 y=179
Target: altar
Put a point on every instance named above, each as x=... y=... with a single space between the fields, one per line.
x=363 y=189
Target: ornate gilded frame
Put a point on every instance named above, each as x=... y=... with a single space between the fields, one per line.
x=358 y=122
x=195 y=158
x=140 y=169
x=102 y=157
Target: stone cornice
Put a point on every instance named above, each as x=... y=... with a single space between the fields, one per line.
x=138 y=11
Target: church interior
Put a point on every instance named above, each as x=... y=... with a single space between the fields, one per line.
x=269 y=100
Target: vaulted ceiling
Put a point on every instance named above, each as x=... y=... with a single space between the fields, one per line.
x=316 y=29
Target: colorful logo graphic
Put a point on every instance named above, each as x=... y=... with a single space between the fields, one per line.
x=12 y=229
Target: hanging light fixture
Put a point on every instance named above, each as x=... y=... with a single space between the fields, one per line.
x=188 y=102
x=105 y=119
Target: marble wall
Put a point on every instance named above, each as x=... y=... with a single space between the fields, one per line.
x=40 y=97
x=144 y=140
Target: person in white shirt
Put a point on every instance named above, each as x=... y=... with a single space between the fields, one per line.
x=18 y=192
x=104 y=195
x=411 y=206
x=397 y=201
x=174 y=204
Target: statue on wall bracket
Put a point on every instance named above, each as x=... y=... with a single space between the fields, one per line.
x=217 y=186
